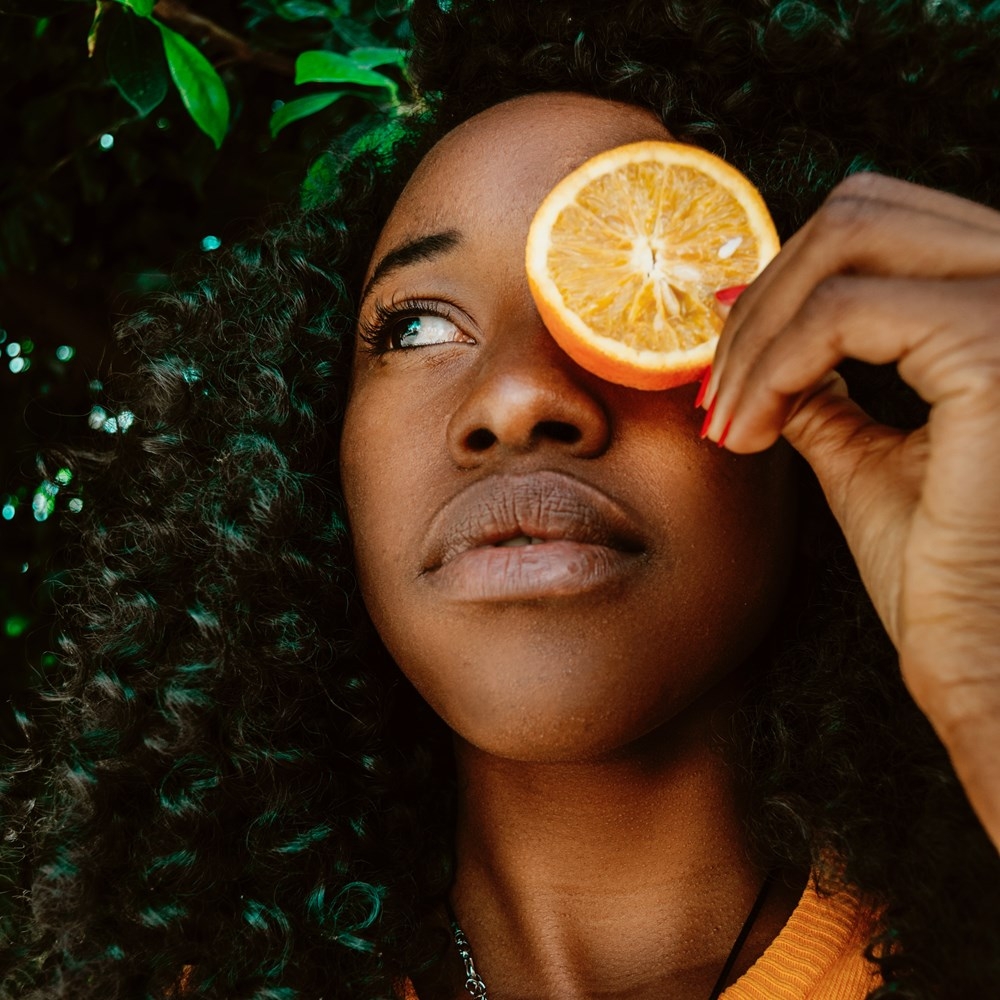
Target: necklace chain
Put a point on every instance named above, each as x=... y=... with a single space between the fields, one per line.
x=476 y=988
x=473 y=982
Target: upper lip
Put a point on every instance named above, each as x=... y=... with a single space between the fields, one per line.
x=545 y=504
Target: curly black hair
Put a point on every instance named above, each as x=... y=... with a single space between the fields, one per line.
x=233 y=787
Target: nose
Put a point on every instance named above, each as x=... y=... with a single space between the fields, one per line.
x=528 y=395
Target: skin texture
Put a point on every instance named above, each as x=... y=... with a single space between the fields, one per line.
x=542 y=679
x=600 y=848
x=888 y=271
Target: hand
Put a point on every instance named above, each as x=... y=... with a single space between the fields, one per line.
x=889 y=271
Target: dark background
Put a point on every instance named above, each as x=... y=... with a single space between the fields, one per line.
x=107 y=183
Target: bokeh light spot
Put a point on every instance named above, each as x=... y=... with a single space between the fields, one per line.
x=211 y=243
x=125 y=420
x=75 y=505
x=43 y=502
x=64 y=476
x=65 y=353
x=9 y=509
x=106 y=141
x=13 y=349
x=18 y=364
x=15 y=626
x=97 y=417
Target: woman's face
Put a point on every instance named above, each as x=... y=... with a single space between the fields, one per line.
x=657 y=561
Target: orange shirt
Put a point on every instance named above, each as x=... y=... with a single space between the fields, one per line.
x=818 y=955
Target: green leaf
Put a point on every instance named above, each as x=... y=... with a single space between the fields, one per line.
x=320 y=184
x=201 y=88
x=371 y=56
x=136 y=65
x=353 y=34
x=332 y=67
x=302 y=108
x=142 y=7
x=300 y=10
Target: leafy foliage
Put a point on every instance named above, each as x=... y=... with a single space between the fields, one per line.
x=201 y=88
x=136 y=64
x=146 y=132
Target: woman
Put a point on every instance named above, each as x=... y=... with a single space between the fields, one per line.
x=665 y=726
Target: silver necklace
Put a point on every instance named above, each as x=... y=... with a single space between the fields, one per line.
x=476 y=988
x=473 y=982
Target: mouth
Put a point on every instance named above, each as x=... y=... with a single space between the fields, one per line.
x=542 y=534
x=517 y=541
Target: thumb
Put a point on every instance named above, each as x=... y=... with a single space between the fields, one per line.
x=856 y=462
x=838 y=440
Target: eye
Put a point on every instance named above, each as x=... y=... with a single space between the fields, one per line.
x=419 y=331
x=408 y=324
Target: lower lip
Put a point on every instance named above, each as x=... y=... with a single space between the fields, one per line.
x=526 y=572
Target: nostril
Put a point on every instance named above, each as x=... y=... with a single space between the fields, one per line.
x=481 y=439
x=557 y=430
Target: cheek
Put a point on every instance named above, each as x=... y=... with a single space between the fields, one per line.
x=741 y=549
x=373 y=476
x=393 y=471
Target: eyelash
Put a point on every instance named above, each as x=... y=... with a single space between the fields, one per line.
x=377 y=332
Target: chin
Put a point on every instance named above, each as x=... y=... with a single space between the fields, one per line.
x=560 y=702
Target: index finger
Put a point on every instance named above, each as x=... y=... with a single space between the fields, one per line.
x=907 y=237
x=852 y=203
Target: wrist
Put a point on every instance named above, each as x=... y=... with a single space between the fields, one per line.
x=968 y=724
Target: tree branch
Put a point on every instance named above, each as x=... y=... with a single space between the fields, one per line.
x=179 y=15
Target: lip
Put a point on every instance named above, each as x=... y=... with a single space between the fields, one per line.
x=587 y=541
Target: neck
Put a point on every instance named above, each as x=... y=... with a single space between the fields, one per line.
x=624 y=877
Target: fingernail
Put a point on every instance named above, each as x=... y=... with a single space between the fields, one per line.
x=703 y=388
x=725 y=432
x=727 y=296
x=708 y=419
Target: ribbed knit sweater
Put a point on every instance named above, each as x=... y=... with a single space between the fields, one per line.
x=818 y=955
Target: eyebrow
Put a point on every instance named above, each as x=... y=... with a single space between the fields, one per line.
x=422 y=248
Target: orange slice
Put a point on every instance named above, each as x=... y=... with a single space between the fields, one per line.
x=626 y=253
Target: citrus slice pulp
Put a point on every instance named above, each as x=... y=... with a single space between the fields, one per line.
x=626 y=253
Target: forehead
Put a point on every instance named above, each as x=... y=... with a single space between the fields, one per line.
x=497 y=166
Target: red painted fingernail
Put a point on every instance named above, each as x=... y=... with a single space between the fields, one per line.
x=725 y=432
x=727 y=296
x=708 y=419
x=703 y=388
